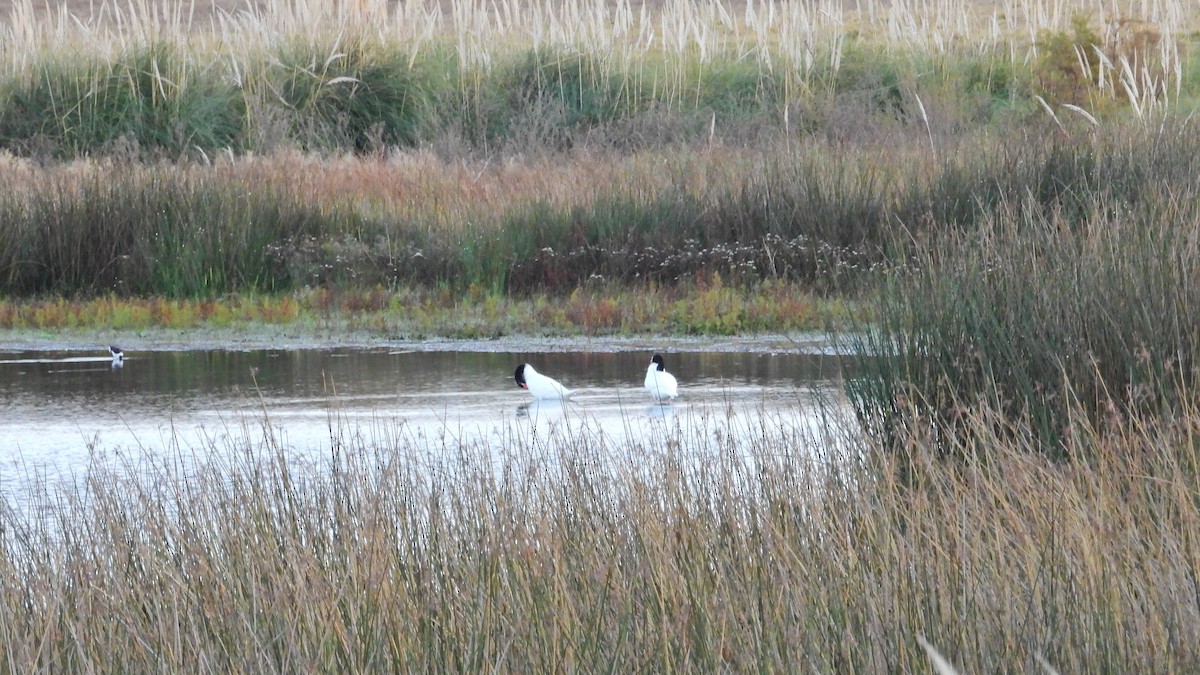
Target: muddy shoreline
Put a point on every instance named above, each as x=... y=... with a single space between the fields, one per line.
x=283 y=338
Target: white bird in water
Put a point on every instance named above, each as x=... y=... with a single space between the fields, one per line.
x=539 y=385
x=661 y=384
x=118 y=356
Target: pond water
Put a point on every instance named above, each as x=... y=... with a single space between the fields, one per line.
x=63 y=409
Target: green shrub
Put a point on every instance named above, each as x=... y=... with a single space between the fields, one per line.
x=1059 y=76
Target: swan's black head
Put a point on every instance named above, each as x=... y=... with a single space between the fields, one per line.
x=519 y=376
x=658 y=359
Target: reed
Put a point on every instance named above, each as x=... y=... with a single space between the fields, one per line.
x=116 y=230
x=195 y=231
x=145 y=100
x=1073 y=295
x=364 y=76
x=822 y=214
x=695 y=550
x=344 y=96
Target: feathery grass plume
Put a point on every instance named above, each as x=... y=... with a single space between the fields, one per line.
x=940 y=664
x=367 y=74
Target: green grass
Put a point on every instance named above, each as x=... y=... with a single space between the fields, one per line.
x=356 y=98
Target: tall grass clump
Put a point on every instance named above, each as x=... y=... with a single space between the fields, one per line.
x=145 y=100
x=544 y=97
x=134 y=232
x=350 y=95
x=692 y=550
x=1082 y=300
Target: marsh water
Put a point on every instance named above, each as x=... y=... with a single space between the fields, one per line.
x=62 y=410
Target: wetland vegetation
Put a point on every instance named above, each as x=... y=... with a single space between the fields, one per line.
x=997 y=206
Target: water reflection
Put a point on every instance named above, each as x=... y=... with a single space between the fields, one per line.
x=62 y=409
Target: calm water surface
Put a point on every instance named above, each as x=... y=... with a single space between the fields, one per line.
x=62 y=410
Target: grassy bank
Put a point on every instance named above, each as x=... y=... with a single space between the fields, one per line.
x=536 y=150
x=691 y=552
x=707 y=309
x=286 y=224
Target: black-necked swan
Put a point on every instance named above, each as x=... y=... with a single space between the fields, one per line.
x=661 y=384
x=539 y=385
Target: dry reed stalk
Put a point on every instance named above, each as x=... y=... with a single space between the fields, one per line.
x=799 y=30
x=412 y=183
x=694 y=550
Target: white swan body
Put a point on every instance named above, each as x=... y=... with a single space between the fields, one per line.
x=539 y=385
x=661 y=384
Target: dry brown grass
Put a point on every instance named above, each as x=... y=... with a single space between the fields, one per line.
x=937 y=26
x=423 y=180
x=90 y=10
x=422 y=184
x=693 y=551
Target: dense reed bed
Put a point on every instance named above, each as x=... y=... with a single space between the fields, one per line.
x=777 y=550
x=1082 y=300
x=481 y=77
x=822 y=214
x=200 y=231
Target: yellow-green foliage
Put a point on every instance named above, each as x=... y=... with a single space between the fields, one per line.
x=137 y=313
x=1067 y=66
x=1126 y=66
x=440 y=312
